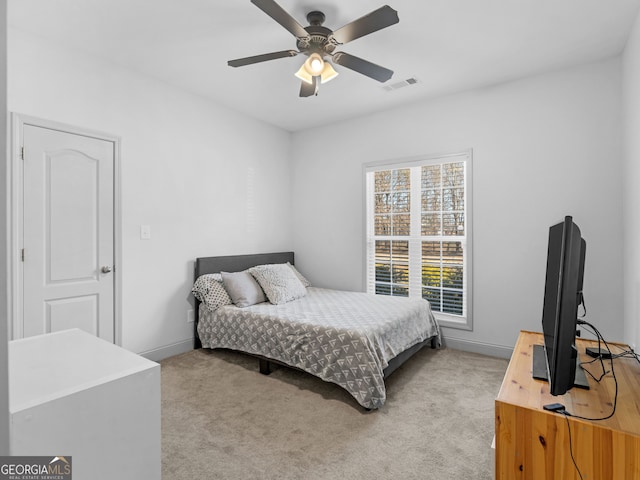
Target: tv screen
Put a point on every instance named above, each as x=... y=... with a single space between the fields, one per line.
x=562 y=297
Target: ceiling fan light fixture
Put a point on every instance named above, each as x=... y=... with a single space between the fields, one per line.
x=315 y=66
x=312 y=67
x=328 y=73
x=303 y=75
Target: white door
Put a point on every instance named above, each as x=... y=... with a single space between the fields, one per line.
x=68 y=222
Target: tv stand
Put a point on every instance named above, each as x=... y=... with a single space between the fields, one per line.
x=540 y=368
x=533 y=444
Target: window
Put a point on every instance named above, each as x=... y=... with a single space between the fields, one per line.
x=418 y=233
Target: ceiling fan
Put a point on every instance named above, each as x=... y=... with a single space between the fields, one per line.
x=318 y=43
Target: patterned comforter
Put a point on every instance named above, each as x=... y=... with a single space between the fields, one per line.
x=347 y=338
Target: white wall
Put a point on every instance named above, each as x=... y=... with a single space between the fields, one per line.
x=631 y=172
x=543 y=147
x=207 y=180
x=4 y=247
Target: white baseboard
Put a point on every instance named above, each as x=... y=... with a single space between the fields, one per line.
x=489 y=349
x=167 y=351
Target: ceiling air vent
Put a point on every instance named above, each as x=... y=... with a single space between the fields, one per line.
x=404 y=83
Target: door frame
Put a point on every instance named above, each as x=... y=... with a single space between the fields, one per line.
x=16 y=209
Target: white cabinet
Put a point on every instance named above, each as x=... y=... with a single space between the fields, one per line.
x=72 y=394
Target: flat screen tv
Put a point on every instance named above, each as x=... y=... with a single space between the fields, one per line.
x=557 y=359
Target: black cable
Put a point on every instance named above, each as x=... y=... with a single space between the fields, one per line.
x=566 y=417
x=615 y=398
x=627 y=354
x=612 y=357
x=604 y=370
x=584 y=306
x=623 y=353
x=613 y=374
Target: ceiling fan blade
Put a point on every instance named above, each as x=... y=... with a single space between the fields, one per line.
x=372 y=22
x=276 y=12
x=241 y=62
x=309 y=89
x=363 y=66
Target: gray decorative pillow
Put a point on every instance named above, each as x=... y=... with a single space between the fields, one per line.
x=304 y=281
x=242 y=288
x=210 y=291
x=279 y=282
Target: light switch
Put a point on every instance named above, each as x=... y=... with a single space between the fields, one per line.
x=145 y=232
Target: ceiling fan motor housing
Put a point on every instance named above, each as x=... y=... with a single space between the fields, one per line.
x=315 y=18
x=318 y=39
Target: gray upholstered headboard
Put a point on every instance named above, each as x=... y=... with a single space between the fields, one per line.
x=238 y=263
x=232 y=263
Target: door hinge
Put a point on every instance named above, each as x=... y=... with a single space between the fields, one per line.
x=22 y=153
x=22 y=255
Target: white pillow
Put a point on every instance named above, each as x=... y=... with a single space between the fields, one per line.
x=279 y=282
x=304 y=281
x=242 y=288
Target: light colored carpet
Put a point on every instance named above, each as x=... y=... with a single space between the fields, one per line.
x=222 y=419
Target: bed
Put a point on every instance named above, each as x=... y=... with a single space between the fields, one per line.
x=352 y=339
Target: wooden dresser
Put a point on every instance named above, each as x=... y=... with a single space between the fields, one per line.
x=532 y=443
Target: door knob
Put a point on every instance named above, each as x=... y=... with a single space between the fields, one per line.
x=106 y=269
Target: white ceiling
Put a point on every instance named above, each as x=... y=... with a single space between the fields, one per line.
x=448 y=45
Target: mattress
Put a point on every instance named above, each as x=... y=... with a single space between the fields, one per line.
x=347 y=338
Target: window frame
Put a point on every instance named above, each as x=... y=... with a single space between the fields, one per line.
x=464 y=321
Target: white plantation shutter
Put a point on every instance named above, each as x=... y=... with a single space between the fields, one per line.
x=418 y=238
